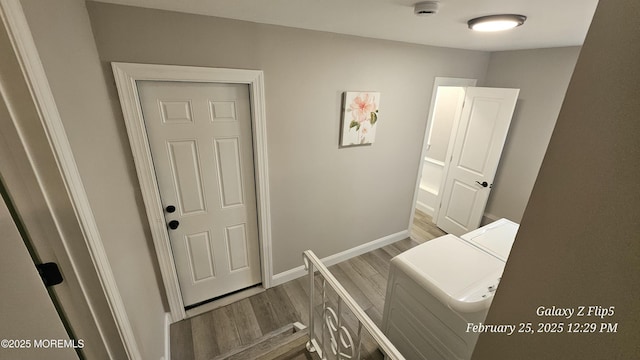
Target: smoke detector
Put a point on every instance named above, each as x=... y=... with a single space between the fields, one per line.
x=426 y=8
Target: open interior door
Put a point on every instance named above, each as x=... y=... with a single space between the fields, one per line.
x=474 y=153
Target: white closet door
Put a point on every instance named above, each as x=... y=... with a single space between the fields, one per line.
x=476 y=150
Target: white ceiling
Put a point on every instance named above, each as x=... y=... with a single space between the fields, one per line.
x=550 y=23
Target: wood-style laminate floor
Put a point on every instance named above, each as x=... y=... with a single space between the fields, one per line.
x=219 y=331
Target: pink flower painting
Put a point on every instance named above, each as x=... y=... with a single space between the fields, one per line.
x=359 y=118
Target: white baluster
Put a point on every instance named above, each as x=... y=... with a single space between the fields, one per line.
x=341 y=341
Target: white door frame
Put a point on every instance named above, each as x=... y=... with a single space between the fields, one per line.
x=439 y=81
x=126 y=75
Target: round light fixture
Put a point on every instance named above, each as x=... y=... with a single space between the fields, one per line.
x=496 y=22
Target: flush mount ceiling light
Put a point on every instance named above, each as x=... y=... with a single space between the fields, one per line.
x=496 y=22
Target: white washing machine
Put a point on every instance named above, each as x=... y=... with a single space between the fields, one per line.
x=438 y=287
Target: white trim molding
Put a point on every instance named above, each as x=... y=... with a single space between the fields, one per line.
x=428 y=193
x=33 y=70
x=126 y=76
x=167 y=337
x=434 y=161
x=425 y=208
x=300 y=271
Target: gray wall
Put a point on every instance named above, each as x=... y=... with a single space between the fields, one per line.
x=322 y=198
x=64 y=40
x=542 y=75
x=578 y=243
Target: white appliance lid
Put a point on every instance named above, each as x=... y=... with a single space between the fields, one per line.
x=454 y=271
x=495 y=238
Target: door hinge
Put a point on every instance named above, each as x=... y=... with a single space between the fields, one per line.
x=49 y=273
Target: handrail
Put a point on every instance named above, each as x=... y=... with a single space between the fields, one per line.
x=311 y=261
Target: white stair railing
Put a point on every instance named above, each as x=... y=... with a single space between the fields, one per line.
x=339 y=340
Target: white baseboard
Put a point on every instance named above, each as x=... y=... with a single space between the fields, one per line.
x=299 y=271
x=292 y=274
x=425 y=208
x=488 y=218
x=167 y=337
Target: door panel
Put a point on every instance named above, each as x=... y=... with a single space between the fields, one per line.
x=176 y=112
x=185 y=169
x=200 y=256
x=228 y=161
x=200 y=140
x=237 y=245
x=461 y=195
x=475 y=151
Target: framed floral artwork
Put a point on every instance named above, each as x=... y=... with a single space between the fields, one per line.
x=359 y=118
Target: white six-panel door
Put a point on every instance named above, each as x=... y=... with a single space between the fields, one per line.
x=200 y=140
x=475 y=150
